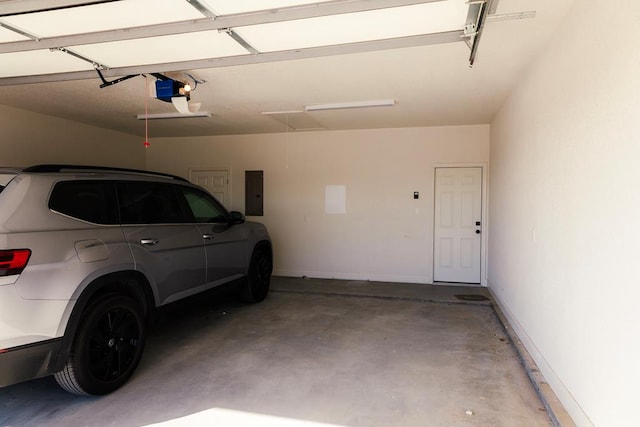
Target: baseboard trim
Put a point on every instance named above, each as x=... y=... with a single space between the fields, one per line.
x=354 y=276
x=557 y=412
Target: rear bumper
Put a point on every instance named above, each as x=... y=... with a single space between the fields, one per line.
x=29 y=361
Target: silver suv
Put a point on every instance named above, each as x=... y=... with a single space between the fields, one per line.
x=87 y=254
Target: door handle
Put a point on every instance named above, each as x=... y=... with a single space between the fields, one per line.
x=149 y=242
x=477 y=231
x=207 y=236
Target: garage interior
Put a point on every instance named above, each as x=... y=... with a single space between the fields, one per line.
x=349 y=109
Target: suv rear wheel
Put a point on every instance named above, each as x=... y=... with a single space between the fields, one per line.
x=107 y=347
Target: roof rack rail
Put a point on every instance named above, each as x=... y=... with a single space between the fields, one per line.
x=49 y=168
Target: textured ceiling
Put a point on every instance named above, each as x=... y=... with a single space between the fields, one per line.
x=431 y=84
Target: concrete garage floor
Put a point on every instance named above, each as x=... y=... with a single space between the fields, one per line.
x=315 y=352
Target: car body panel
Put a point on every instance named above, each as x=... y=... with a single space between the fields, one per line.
x=174 y=263
x=226 y=250
x=24 y=321
x=25 y=362
x=55 y=269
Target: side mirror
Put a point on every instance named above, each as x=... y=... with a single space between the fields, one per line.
x=236 y=217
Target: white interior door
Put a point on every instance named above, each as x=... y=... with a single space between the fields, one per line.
x=215 y=181
x=458 y=216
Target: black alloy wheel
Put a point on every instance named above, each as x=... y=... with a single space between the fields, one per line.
x=259 y=279
x=107 y=348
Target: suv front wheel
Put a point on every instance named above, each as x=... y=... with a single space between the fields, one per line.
x=258 y=279
x=107 y=347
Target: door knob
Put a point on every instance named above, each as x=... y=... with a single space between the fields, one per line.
x=477 y=231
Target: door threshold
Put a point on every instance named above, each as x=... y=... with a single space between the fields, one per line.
x=471 y=285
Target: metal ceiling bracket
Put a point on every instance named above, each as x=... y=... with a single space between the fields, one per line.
x=106 y=83
x=96 y=65
x=473 y=17
x=478 y=11
x=242 y=42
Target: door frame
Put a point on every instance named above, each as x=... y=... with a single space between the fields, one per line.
x=229 y=180
x=484 y=216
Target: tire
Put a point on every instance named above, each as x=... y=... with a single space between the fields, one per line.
x=258 y=280
x=107 y=347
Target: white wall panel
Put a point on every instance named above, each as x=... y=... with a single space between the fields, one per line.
x=31 y=138
x=564 y=205
x=385 y=234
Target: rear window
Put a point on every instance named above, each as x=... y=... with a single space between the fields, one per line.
x=150 y=203
x=91 y=201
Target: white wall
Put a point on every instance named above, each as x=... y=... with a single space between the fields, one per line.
x=385 y=234
x=30 y=138
x=565 y=212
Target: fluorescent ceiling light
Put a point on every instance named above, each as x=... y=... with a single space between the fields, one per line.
x=156 y=116
x=282 y=112
x=354 y=104
x=510 y=16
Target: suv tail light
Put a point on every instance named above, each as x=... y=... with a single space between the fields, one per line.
x=13 y=261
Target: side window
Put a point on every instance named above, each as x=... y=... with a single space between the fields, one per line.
x=149 y=203
x=204 y=207
x=91 y=201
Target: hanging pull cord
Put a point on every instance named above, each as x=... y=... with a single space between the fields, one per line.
x=147 y=144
